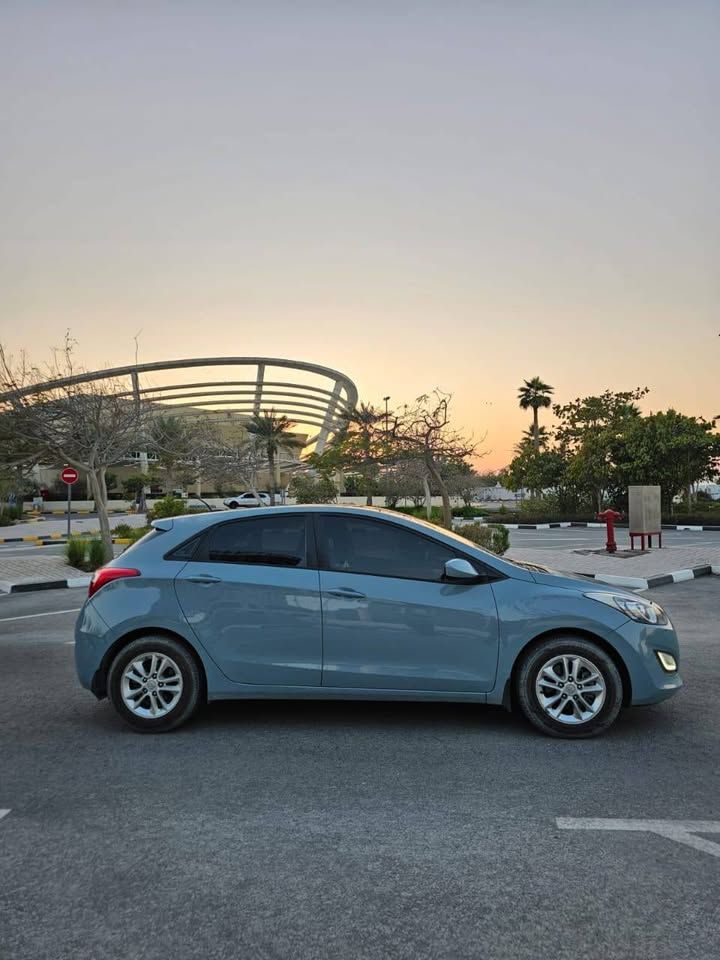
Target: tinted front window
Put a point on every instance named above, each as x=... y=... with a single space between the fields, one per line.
x=278 y=540
x=356 y=545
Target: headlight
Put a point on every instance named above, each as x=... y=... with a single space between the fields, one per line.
x=644 y=611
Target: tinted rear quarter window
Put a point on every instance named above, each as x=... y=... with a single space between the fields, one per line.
x=278 y=540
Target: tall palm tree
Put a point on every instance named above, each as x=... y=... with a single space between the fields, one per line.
x=272 y=432
x=532 y=395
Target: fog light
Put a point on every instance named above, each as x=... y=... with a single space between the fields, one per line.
x=667 y=661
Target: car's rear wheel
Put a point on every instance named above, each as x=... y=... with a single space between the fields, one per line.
x=154 y=684
x=569 y=687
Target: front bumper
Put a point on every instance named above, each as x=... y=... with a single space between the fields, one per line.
x=650 y=683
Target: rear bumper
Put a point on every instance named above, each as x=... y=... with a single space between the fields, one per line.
x=90 y=647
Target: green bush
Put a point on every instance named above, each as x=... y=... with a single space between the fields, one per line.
x=8 y=515
x=468 y=512
x=96 y=556
x=490 y=536
x=306 y=489
x=435 y=513
x=75 y=552
x=166 y=507
x=123 y=530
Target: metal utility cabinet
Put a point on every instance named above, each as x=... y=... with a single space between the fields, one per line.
x=644 y=515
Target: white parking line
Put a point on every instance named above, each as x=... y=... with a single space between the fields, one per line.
x=3 y=813
x=681 y=831
x=49 y=613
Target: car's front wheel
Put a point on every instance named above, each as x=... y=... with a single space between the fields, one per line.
x=154 y=684
x=233 y=504
x=569 y=687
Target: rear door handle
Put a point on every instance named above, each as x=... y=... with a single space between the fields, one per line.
x=347 y=593
x=204 y=578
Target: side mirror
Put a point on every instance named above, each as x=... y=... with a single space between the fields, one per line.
x=459 y=569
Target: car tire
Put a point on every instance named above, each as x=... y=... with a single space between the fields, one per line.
x=181 y=693
x=586 y=671
x=233 y=504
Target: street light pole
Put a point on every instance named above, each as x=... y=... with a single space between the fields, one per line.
x=386 y=413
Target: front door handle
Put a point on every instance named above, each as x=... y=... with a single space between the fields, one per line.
x=347 y=593
x=204 y=578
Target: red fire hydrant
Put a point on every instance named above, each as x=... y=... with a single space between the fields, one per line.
x=609 y=517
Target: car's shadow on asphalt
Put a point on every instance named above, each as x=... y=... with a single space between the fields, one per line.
x=355 y=714
x=386 y=716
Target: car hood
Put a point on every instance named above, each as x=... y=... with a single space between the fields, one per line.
x=569 y=581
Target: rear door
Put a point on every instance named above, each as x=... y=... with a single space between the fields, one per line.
x=253 y=603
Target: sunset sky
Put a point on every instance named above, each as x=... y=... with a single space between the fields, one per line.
x=452 y=194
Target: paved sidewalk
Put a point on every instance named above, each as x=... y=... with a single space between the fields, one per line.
x=48 y=527
x=38 y=573
x=666 y=565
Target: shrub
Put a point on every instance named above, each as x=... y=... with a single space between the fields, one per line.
x=123 y=530
x=96 y=555
x=166 y=507
x=306 y=489
x=435 y=513
x=9 y=514
x=468 y=512
x=490 y=536
x=75 y=552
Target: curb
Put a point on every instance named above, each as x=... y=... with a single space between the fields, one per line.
x=54 y=538
x=640 y=583
x=27 y=587
x=578 y=523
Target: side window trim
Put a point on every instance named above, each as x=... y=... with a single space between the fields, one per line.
x=322 y=562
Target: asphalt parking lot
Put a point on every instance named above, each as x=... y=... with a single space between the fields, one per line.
x=349 y=830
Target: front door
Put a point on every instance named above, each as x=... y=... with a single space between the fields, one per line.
x=390 y=620
x=253 y=603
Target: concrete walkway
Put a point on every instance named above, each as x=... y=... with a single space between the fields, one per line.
x=644 y=570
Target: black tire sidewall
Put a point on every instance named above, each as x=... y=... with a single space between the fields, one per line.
x=192 y=685
x=552 y=647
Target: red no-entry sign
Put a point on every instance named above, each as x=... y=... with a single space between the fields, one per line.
x=69 y=475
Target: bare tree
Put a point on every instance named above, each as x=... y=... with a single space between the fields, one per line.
x=85 y=424
x=422 y=431
x=231 y=458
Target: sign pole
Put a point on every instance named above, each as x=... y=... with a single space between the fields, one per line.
x=69 y=476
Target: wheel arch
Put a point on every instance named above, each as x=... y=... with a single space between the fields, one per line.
x=99 y=680
x=509 y=694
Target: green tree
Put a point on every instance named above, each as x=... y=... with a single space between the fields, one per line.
x=587 y=436
x=272 y=434
x=533 y=395
x=669 y=449
x=535 y=470
x=362 y=445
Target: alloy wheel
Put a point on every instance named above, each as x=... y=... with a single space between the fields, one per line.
x=151 y=685
x=570 y=689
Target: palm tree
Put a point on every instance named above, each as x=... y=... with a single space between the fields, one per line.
x=534 y=394
x=272 y=432
x=364 y=420
x=529 y=439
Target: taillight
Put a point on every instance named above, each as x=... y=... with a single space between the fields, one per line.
x=107 y=574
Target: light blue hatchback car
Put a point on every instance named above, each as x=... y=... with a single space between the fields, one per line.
x=338 y=602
